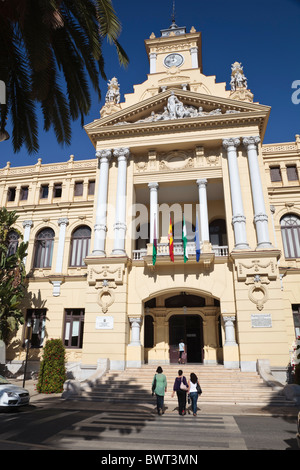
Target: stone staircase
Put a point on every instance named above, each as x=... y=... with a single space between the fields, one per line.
x=220 y=386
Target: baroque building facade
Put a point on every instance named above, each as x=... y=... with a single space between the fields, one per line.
x=180 y=147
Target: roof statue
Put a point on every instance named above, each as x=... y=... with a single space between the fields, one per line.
x=113 y=92
x=238 y=83
x=112 y=98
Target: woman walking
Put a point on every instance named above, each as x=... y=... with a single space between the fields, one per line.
x=193 y=391
x=180 y=387
x=159 y=387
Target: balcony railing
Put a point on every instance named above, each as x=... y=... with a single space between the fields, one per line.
x=163 y=250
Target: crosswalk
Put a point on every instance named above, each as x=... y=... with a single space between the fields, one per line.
x=143 y=430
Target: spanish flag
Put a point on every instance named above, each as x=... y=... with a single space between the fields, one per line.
x=171 y=245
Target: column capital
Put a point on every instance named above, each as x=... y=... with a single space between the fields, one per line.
x=231 y=142
x=27 y=223
x=251 y=141
x=202 y=182
x=63 y=221
x=104 y=154
x=153 y=186
x=121 y=152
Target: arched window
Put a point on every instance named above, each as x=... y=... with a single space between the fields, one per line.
x=44 y=248
x=80 y=245
x=290 y=232
x=13 y=241
x=217 y=232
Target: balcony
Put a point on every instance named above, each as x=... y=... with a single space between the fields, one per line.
x=163 y=250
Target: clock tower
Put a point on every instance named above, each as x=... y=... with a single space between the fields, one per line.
x=174 y=48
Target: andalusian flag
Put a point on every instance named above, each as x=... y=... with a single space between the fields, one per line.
x=171 y=244
x=154 y=249
x=184 y=239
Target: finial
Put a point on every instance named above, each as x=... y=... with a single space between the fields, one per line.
x=173 y=16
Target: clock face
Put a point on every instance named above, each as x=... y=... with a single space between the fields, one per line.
x=173 y=59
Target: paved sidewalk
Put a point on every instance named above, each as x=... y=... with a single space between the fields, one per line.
x=41 y=399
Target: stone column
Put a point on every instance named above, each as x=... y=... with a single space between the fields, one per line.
x=260 y=215
x=230 y=349
x=194 y=57
x=153 y=209
x=229 y=330
x=120 y=221
x=27 y=224
x=135 y=331
x=238 y=217
x=204 y=227
x=153 y=57
x=100 y=228
x=63 y=222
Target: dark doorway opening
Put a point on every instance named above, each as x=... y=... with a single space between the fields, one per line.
x=190 y=329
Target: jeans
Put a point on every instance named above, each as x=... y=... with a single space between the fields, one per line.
x=160 y=402
x=194 y=398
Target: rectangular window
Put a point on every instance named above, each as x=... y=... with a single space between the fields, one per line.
x=292 y=173
x=73 y=328
x=44 y=191
x=11 y=194
x=57 y=190
x=296 y=316
x=275 y=173
x=37 y=318
x=24 y=193
x=91 y=189
x=78 y=189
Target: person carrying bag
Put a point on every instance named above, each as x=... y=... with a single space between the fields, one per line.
x=180 y=387
x=194 y=391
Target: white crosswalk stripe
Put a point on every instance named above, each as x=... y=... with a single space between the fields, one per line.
x=130 y=431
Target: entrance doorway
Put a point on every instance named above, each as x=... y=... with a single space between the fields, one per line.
x=188 y=328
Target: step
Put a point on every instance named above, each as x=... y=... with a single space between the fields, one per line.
x=219 y=385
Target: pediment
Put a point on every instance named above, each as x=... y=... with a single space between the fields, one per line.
x=175 y=107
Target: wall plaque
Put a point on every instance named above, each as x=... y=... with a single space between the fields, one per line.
x=104 y=323
x=261 y=321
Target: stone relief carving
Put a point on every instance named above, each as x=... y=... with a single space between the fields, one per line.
x=256 y=266
x=257 y=293
x=257 y=274
x=175 y=109
x=105 y=278
x=176 y=160
x=106 y=296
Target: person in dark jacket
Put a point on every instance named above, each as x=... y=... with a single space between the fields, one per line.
x=181 y=394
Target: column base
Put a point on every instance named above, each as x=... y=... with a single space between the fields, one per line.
x=265 y=245
x=242 y=246
x=231 y=358
x=118 y=252
x=99 y=253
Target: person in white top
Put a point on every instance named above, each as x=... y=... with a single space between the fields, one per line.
x=193 y=392
x=181 y=352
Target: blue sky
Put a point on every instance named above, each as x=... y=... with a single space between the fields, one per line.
x=262 y=34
